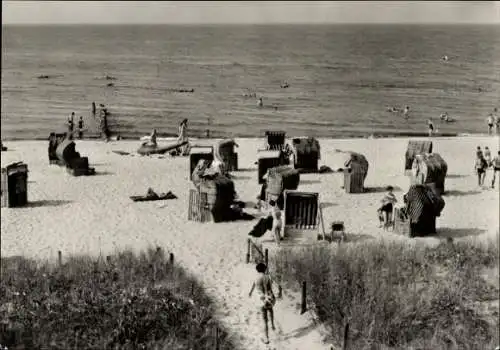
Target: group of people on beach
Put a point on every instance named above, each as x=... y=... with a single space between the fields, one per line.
x=483 y=163
x=71 y=126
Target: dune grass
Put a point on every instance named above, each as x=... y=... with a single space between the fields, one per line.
x=397 y=295
x=132 y=301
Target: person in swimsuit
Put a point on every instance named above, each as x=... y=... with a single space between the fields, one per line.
x=479 y=152
x=495 y=163
x=152 y=140
x=431 y=127
x=260 y=103
x=275 y=213
x=489 y=120
x=480 y=167
x=264 y=284
x=80 y=128
x=406 y=112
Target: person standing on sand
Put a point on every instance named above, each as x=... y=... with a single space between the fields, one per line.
x=495 y=163
x=430 y=126
x=479 y=152
x=183 y=136
x=264 y=284
x=275 y=213
x=94 y=110
x=489 y=121
x=80 y=128
x=406 y=112
x=260 y=103
x=71 y=125
x=480 y=166
x=496 y=120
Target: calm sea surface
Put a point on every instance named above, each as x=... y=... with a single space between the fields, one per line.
x=341 y=78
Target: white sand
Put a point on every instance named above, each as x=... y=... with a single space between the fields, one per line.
x=88 y=215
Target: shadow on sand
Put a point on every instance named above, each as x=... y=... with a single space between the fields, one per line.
x=447 y=232
x=455 y=193
x=355 y=237
x=455 y=176
x=309 y=182
x=325 y=205
x=246 y=169
x=380 y=189
x=100 y=173
x=240 y=177
x=48 y=203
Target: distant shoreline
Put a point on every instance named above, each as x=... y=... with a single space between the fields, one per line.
x=402 y=135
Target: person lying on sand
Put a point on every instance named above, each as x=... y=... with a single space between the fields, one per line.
x=264 y=284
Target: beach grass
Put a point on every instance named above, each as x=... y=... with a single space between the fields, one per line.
x=398 y=295
x=126 y=301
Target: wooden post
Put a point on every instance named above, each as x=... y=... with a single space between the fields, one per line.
x=248 y=250
x=59 y=257
x=303 y=308
x=266 y=257
x=171 y=258
x=346 y=336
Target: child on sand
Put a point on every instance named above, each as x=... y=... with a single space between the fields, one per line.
x=275 y=213
x=385 y=211
x=264 y=284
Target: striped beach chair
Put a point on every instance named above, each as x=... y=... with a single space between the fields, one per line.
x=302 y=216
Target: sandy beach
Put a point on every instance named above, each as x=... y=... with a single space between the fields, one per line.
x=94 y=215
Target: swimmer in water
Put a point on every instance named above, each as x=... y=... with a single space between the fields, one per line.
x=406 y=112
x=259 y=102
x=444 y=117
x=444 y=58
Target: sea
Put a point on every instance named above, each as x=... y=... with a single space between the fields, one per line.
x=315 y=80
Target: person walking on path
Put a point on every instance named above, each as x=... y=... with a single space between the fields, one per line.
x=264 y=283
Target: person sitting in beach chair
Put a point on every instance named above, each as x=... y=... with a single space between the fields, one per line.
x=264 y=285
x=386 y=209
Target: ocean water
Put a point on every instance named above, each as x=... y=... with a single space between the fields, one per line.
x=341 y=78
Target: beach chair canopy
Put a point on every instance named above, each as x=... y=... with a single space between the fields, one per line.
x=357 y=163
x=66 y=151
x=415 y=148
x=282 y=178
x=429 y=168
x=422 y=201
x=306 y=146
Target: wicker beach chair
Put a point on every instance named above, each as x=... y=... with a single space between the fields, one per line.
x=302 y=216
x=275 y=140
x=415 y=148
x=14 y=185
x=355 y=172
x=199 y=152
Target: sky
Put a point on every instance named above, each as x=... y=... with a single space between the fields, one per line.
x=248 y=12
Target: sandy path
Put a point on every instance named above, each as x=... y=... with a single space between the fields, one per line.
x=94 y=214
